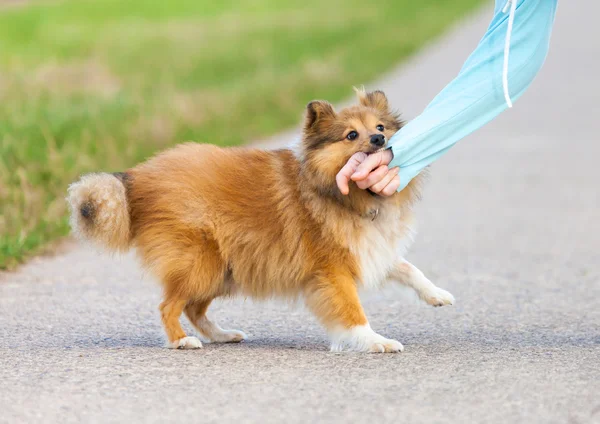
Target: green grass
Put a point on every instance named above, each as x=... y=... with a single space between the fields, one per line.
x=101 y=85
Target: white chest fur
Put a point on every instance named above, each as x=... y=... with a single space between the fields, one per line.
x=382 y=243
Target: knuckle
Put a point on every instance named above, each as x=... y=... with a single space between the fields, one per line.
x=373 y=179
x=359 y=156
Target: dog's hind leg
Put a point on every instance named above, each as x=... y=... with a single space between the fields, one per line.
x=406 y=273
x=210 y=331
x=189 y=269
x=333 y=298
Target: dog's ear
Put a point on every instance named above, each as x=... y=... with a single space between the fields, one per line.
x=375 y=99
x=316 y=111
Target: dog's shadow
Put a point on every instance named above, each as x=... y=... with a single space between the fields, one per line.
x=422 y=341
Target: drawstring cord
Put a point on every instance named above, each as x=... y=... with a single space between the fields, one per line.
x=511 y=18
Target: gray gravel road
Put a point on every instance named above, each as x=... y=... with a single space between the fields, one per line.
x=509 y=226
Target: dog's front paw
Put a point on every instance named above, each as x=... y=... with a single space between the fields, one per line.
x=438 y=297
x=185 y=343
x=362 y=339
x=386 y=346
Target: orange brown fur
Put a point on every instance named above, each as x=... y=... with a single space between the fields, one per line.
x=212 y=222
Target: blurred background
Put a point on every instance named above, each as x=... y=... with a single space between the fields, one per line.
x=102 y=84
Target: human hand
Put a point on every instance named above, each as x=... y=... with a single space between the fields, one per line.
x=370 y=172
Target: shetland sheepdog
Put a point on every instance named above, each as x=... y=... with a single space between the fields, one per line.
x=211 y=222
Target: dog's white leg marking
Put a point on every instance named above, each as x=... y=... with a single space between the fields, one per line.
x=362 y=339
x=408 y=274
x=215 y=334
x=185 y=343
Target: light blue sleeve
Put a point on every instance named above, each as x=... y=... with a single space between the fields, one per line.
x=476 y=95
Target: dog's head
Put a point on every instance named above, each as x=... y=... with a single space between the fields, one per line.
x=331 y=138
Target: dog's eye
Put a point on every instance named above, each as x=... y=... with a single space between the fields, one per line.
x=380 y=127
x=352 y=135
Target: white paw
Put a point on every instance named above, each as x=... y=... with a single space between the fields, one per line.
x=386 y=346
x=227 y=336
x=185 y=343
x=438 y=297
x=362 y=339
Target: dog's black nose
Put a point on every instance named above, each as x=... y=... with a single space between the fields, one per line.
x=378 y=140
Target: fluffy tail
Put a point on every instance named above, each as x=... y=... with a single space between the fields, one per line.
x=99 y=210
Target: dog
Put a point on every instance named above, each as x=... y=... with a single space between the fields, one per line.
x=212 y=222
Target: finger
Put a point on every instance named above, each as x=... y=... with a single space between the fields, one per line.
x=372 y=161
x=343 y=177
x=373 y=178
x=367 y=166
x=392 y=187
x=377 y=188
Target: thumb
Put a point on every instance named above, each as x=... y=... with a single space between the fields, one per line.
x=373 y=161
